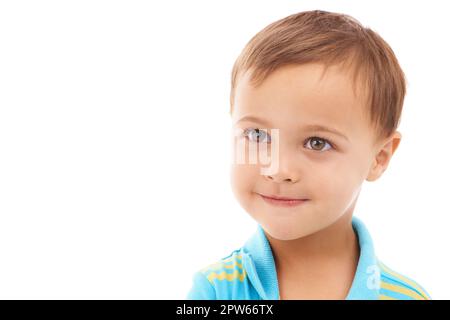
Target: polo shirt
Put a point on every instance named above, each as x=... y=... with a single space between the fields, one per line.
x=249 y=273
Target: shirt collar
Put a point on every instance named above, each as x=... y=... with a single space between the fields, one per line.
x=260 y=266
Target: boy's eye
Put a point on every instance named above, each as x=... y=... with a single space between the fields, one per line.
x=257 y=135
x=318 y=143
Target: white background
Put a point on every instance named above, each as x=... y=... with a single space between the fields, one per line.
x=114 y=144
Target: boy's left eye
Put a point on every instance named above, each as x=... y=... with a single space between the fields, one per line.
x=318 y=143
x=257 y=135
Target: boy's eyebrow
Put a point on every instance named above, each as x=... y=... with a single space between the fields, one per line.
x=318 y=127
x=310 y=127
x=254 y=119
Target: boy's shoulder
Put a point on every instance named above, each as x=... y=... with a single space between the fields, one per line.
x=226 y=278
x=381 y=281
x=228 y=268
x=396 y=286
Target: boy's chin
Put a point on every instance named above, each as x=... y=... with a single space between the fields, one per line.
x=284 y=231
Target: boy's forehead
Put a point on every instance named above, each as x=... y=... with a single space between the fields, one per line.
x=304 y=92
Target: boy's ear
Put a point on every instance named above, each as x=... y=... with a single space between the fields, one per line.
x=383 y=156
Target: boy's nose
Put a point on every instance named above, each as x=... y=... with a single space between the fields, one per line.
x=279 y=180
x=285 y=173
x=284 y=161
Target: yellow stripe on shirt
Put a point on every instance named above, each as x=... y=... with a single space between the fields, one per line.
x=408 y=281
x=227 y=276
x=403 y=290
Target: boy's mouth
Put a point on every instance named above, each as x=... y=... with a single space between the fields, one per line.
x=282 y=201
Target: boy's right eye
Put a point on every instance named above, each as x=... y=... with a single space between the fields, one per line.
x=256 y=135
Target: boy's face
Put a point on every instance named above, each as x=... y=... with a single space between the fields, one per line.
x=326 y=168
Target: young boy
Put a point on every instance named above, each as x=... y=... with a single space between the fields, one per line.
x=315 y=78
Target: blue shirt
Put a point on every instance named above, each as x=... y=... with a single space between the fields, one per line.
x=249 y=273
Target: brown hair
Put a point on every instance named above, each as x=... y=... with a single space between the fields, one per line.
x=332 y=39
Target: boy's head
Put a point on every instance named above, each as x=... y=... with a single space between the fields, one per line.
x=309 y=70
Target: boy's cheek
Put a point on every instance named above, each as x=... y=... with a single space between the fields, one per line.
x=244 y=176
x=244 y=182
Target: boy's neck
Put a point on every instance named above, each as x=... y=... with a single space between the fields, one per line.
x=335 y=243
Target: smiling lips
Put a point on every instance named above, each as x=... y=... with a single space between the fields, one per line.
x=283 y=201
